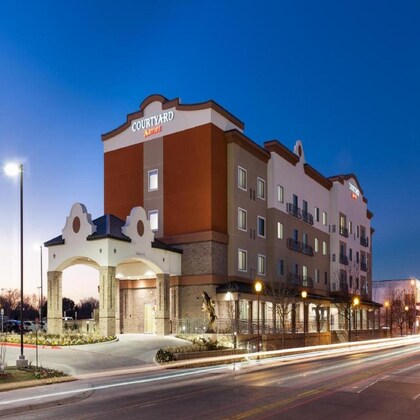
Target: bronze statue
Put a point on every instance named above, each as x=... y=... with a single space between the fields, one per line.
x=209 y=306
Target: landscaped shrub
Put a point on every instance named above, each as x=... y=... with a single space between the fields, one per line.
x=164 y=355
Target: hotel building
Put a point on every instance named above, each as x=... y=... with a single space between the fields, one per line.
x=191 y=204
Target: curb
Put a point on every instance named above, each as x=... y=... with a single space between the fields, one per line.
x=29 y=346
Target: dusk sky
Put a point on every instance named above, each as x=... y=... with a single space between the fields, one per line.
x=342 y=76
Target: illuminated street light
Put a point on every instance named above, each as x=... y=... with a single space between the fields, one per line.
x=304 y=295
x=356 y=302
x=258 y=288
x=13 y=169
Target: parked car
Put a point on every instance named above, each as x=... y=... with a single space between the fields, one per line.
x=11 y=326
x=31 y=326
x=67 y=318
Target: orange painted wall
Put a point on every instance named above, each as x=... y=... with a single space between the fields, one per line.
x=195 y=171
x=123 y=180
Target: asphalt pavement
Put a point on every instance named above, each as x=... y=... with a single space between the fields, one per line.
x=128 y=351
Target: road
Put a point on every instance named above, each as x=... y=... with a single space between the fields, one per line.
x=377 y=384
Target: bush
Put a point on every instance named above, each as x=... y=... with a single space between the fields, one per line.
x=164 y=356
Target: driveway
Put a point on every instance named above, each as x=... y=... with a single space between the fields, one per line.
x=131 y=350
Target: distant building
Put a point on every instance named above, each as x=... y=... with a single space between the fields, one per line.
x=193 y=205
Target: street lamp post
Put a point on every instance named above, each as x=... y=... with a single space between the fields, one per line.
x=356 y=302
x=13 y=169
x=258 y=288
x=406 y=318
x=304 y=295
x=386 y=303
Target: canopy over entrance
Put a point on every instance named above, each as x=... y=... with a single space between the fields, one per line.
x=120 y=251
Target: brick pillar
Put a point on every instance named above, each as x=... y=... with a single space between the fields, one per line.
x=250 y=326
x=162 y=307
x=274 y=316
x=293 y=318
x=108 y=297
x=237 y=316
x=55 y=302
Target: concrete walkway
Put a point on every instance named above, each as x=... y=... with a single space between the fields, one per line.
x=131 y=350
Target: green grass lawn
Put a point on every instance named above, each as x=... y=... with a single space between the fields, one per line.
x=14 y=378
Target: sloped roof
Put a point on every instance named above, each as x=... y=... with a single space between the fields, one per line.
x=110 y=226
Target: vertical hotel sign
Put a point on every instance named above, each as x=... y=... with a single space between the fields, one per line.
x=152 y=125
x=355 y=193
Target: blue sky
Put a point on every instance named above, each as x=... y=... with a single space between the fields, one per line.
x=341 y=76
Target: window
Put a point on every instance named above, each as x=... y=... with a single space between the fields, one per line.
x=324 y=248
x=242 y=260
x=154 y=219
x=325 y=277
x=316 y=245
x=261 y=226
x=242 y=219
x=280 y=230
x=261 y=188
x=350 y=254
x=305 y=206
x=280 y=194
x=153 y=180
x=316 y=275
x=295 y=201
x=357 y=257
x=350 y=228
x=305 y=239
x=295 y=235
x=358 y=231
x=305 y=275
x=242 y=181
x=317 y=214
x=280 y=268
x=261 y=265
x=324 y=218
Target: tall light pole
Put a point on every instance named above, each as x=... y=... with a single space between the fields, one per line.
x=386 y=303
x=258 y=288
x=13 y=169
x=356 y=302
x=304 y=295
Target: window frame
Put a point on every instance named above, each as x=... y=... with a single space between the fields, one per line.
x=261 y=257
x=240 y=209
x=245 y=253
x=261 y=181
x=258 y=226
x=149 y=214
x=240 y=168
x=149 y=174
x=280 y=193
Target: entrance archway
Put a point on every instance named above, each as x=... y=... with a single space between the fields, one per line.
x=122 y=252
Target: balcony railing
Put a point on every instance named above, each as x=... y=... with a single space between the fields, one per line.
x=344 y=259
x=307 y=217
x=294 y=210
x=344 y=231
x=307 y=250
x=364 y=241
x=363 y=266
x=299 y=281
x=294 y=245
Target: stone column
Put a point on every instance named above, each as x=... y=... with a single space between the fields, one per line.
x=237 y=316
x=162 y=305
x=274 y=316
x=250 y=318
x=108 y=295
x=55 y=302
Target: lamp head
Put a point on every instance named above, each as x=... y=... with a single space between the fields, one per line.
x=258 y=286
x=304 y=294
x=356 y=301
x=12 y=169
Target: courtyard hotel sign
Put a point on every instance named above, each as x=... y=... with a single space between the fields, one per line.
x=355 y=193
x=152 y=125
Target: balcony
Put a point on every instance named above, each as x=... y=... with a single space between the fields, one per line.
x=344 y=259
x=299 y=281
x=363 y=266
x=294 y=210
x=294 y=245
x=364 y=241
x=307 y=250
x=344 y=231
x=307 y=217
